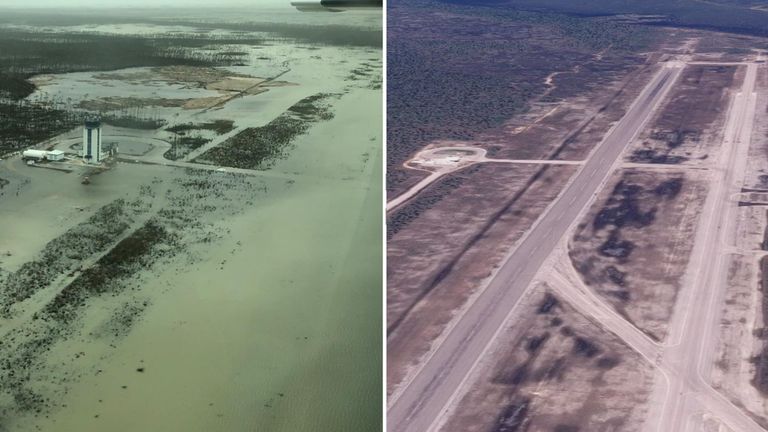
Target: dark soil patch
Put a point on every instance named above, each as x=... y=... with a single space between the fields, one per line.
x=655 y=157
x=760 y=380
x=512 y=417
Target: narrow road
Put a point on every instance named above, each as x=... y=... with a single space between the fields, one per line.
x=418 y=187
x=204 y=167
x=420 y=403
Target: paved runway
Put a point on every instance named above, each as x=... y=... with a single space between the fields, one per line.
x=694 y=330
x=422 y=401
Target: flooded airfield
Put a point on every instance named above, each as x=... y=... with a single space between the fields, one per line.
x=200 y=292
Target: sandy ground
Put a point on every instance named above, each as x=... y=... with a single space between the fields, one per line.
x=688 y=128
x=265 y=315
x=554 y=369
x=423 y=277
x=641 y=219
x=654 y=226
x=436 y=263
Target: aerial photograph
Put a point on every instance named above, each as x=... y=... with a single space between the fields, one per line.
x=191 y=203
x=577 y=215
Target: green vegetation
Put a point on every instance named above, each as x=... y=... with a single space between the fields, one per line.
x=738 y=16
x=457 y=70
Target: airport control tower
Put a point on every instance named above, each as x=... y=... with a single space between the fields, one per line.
x=92 y=140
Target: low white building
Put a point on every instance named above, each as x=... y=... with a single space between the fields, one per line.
x=55 y=155
x=41 y=155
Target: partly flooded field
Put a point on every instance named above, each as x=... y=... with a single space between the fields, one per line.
x=175 y=296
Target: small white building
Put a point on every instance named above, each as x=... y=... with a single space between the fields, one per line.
x=41 y=155
x=55 y=155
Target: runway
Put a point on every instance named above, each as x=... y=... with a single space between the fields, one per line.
x=694 y=330
x=419 y=404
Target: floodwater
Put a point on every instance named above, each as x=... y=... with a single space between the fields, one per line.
x=273 y=323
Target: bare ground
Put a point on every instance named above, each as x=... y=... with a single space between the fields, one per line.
x=742 y=338
x=430 y=256
x=689 y=125
x=568 y=130
x=554 y=369
x=714 y=46
x=634 y=244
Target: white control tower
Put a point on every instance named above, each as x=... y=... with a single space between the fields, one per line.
x=92 y=141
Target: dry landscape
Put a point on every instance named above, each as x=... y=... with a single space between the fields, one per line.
x=634 y=247
x=654 y=290
x=561 y=372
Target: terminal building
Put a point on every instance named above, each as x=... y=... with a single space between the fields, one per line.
x=92 y=141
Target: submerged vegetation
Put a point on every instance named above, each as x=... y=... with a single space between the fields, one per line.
x=326 y=34
x=738 y=16
x=71 y=302
x=65 y=252
x=181 y=146
x=219 y=126
x=183 y=143
x=104 y=257
x=24 y=124
x=54 y=49
x=135 y=252
x=23 y=54
x=261 y=147
x=132 y=121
